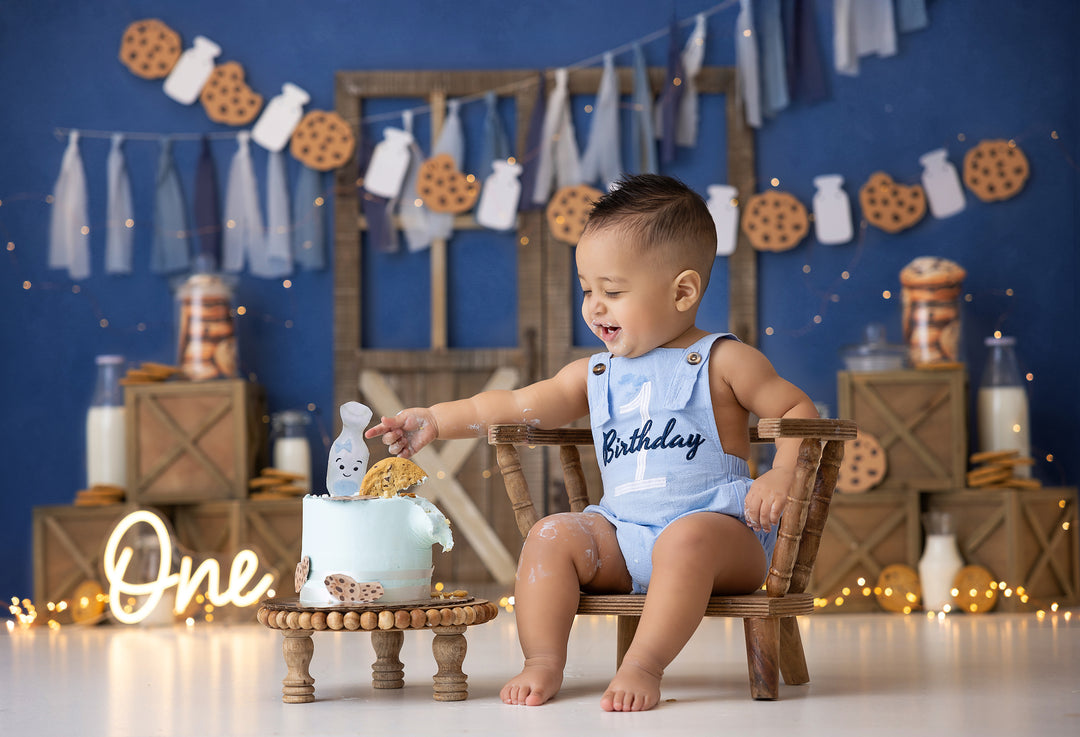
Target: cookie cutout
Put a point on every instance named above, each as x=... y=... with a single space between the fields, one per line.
x=864 y=464
x=150 y=48
x=346 y=590
x=322 y=141
x=390 y=476
x=995 y=170
x=227 y=98
x=976 y=590
x=445 y=189
x=568 y=211
x=890 y=206
x=898 y=588
x=303 y=568
x=775 y=221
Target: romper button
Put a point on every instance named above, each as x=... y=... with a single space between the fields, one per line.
x=599 y=369
x=693 y=359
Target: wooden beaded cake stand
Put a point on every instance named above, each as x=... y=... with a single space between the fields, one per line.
x=447 y=618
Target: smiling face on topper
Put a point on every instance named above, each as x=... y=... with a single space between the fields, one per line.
x=348 y=459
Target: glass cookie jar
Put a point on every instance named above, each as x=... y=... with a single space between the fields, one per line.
x=932 y=320
x=206 y=339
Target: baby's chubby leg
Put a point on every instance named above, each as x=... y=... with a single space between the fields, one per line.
x=694 y=557
x=562 y=554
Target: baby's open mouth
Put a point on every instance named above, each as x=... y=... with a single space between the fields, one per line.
x=607 y=332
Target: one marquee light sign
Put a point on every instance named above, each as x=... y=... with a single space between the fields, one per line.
x=244 y=566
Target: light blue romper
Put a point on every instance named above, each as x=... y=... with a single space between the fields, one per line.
x=658 y=448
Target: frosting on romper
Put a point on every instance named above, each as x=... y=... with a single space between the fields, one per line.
x=658 y=448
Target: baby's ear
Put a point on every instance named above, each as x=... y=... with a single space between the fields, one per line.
x=687 y=288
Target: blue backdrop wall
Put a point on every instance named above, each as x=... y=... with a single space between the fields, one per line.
x=982 y=69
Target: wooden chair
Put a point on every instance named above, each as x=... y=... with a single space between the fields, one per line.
x=773 y=644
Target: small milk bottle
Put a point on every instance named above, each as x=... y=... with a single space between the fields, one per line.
x=389 y=164
x=942 y=184
x=832 y=211
x=278 y=121
x=940 y=562
x=193 y=68
x=291 y=451
x=1002 y=403
x=499 y=199
x=106 y=458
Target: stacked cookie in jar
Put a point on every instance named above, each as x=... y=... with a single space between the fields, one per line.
x=931 y=311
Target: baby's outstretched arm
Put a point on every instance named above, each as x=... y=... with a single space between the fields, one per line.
x=550 y=403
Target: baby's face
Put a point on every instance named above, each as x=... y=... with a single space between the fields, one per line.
x=628 y=303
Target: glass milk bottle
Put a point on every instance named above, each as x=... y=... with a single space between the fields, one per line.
x=106 y=458
x=1002 y=403
x=940 y=562
x=291 y=451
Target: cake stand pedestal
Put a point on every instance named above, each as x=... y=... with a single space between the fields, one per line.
x=448 y=619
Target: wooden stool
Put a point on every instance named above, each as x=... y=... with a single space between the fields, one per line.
x=447 y=618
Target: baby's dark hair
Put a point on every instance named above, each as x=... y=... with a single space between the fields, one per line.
x=663 y=218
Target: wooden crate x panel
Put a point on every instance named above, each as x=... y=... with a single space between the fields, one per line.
x=68 y=547
x=273 y=529
x=864 y=534
x=919 y=417
x=192 y=442
x=1025 y=538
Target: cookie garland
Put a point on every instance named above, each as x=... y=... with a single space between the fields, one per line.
x=149 y=48
x=995 y=170
x=890 y=206
x=775 y=221
x=443 y=188
x=227 y=98
x=568 y=211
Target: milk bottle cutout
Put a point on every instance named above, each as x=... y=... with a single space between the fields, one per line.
x=389 y=164
x=193 y=68
x=347 y=464
x=499 y=198
x=724 y=208
x=832 y=210
x=942 y=184
x=277 y=122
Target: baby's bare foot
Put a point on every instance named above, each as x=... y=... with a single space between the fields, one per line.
x=635 y=687
x=535 y=685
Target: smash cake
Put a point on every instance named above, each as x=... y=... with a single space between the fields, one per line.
x=370 y=539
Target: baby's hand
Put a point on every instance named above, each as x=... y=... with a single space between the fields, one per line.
x=767 y=498
x=407 y=432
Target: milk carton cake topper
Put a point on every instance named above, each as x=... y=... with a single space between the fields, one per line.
x=348 y=459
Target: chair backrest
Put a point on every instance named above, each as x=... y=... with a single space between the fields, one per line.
x=799 y=535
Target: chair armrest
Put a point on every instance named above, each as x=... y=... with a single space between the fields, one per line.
x=772 y=428
x=526 y=435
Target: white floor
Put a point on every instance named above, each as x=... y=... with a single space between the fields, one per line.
x=881 y=674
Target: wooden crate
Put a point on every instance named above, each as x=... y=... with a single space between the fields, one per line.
x=864 y=533
x=193 y=442
x=272 y=528
x=1026 y=538
x=920 y=419
x=69 y=543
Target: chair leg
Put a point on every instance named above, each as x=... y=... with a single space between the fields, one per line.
x=626 y=628
x=762 y=656
x=792 y=657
